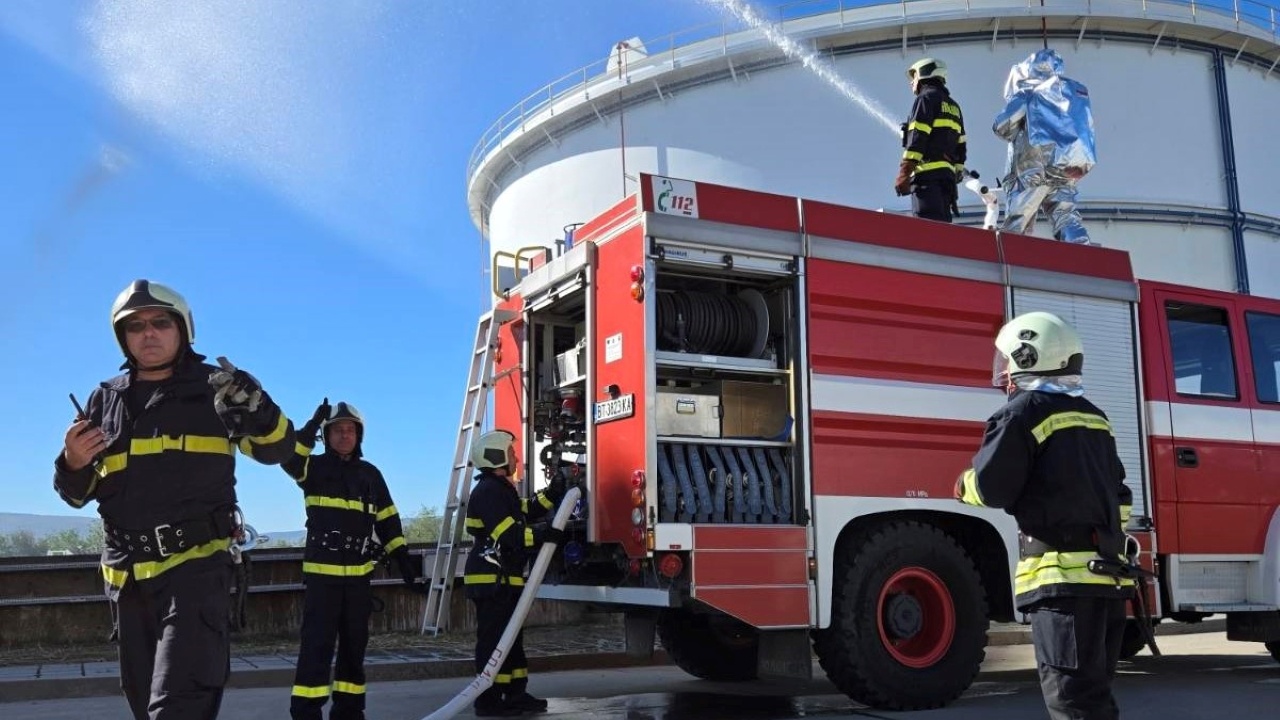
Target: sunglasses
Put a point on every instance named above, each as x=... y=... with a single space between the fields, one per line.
x=163 y=322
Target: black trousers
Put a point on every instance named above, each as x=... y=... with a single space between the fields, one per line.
x=931 y=197
x=335 y=612
x=492 y=615
x=175 y=640
x=1077 y=642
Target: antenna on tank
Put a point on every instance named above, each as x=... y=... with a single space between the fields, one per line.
x=621 y=49
x=1044 y=27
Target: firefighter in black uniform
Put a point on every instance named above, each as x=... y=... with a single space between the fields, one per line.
x=155 y=448
x=933 y=142
x=351 y=519
x=1049 y=459
x=494 y=578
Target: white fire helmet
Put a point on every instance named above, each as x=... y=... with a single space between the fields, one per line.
x=1036 y=343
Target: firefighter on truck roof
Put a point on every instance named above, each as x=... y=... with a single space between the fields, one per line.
x=1049 y=459
x=155 y=448
x=933 y=144
x=494 y=578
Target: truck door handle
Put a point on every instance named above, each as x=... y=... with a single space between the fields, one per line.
x=1187 y=457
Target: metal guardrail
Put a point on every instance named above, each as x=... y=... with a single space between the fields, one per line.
x=1259 y=15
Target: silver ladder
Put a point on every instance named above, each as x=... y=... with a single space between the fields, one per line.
x=453 y=522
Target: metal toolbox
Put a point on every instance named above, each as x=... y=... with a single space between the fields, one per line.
x=690 y=412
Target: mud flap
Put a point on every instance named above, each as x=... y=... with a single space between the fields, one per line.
x=785 y=655
x=640 y=629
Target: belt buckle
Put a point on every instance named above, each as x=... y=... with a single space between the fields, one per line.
x=160 y=547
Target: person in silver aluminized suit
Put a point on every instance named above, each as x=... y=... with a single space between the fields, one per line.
x=1048 y=122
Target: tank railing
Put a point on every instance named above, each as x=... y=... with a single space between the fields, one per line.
x=666 y=49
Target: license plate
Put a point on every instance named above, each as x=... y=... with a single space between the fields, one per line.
x=615 y=409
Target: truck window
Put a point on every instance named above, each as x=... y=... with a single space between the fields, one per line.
x=1264 y=346
x=1200 y=340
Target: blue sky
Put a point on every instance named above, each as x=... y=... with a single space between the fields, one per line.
x=296 y=170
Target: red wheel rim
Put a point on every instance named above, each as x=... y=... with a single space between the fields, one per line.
x=916 y=617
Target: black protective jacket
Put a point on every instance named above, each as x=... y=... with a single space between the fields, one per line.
x=1050 y=460
x=350 y=514
x=169 y=467
x=498 y=518
x=934 y=134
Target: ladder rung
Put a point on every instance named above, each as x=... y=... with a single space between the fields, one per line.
x=474 y=388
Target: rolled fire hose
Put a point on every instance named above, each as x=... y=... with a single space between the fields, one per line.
x=485 y=678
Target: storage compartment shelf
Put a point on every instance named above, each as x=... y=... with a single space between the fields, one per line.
x=745 y=442
x=668 y=358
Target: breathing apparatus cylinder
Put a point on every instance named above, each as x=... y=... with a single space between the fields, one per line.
x=485 y=679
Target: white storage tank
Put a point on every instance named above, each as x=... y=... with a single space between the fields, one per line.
x=1184 y=102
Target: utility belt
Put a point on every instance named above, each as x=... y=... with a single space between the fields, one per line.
x=169 y=539
x=339 y=541
x=1077 y=539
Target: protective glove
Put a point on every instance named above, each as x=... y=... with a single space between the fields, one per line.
x=556 y=488
x=552 y=534
x=963 y=174
x=958 y=492
x=408 y=568
x=307 y=435
x=237 y=397
x=902 y=184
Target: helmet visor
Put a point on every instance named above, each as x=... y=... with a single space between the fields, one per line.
x=999 y=370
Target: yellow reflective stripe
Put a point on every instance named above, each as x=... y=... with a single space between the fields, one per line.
x=935 y=165
x=350 y=688
x=502 y=527
x=1066 y=421
x=386 y=512
x=310 y=692
x=1056 y=568
x=116 y=578
x=1126 y=511
x=154 y=568
x=300 y=449
x=545 y=501
x=112 y=463
x=518 y=673
x=945 y=123
x=333 y=502
x=276 y=434
x=963 y=139
x=970 y=494
x=184 y=443
x=337 y=570
x=528 y=537
x=922 y=127
x=395 y=543
x=476 y=523
x=482 y=579
x=502 y=679
x=912 y=155
x=306 y=468
x=524 y=506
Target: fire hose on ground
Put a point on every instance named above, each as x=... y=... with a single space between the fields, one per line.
x=485 y=678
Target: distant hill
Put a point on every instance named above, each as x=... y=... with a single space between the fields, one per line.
x=42 y=526
x=45 y=525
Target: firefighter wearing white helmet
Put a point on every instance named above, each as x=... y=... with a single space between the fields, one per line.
x=352 y=522
x=499 y=519
x=1049 y=458
x=155 y=448
x=934 y=149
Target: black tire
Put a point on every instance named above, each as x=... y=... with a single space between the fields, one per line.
x=1132 y=642
x=710 y=646
x=908 y=619
x=1273 y=647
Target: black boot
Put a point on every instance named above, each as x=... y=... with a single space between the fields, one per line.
x=491 y=704
x=526 y=703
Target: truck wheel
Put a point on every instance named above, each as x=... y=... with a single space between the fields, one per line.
x=709 y=646
x=1132 y=642
x=908 y=619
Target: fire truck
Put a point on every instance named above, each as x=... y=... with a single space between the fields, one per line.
x=767 y=401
